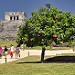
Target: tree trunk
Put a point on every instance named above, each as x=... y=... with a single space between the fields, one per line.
x=42 y=54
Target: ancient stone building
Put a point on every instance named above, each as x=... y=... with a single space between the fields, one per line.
x=9 y=27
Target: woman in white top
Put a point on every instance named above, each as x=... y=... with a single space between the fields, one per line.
x=11 y=51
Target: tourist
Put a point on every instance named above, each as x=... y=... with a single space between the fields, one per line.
x=0 y=51
x=17 y=52
x=5 y=51
x=11 y=51
x=22 y=46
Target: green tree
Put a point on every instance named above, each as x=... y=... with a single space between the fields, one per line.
x=45 y=26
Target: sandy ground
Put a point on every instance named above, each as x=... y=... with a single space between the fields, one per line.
x=26 y=53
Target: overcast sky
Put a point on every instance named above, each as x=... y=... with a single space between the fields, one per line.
x=28 y=6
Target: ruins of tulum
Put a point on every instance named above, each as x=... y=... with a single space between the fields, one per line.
x=9 y=27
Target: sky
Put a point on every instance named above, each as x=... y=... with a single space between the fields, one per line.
x=29 y=6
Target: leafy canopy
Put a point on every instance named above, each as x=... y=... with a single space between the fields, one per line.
x=47 y=25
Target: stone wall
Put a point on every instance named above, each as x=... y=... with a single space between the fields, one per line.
x=8 y=28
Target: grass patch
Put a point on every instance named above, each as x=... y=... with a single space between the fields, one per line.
x=31 y=66
x=48 y=48
x=7 y=43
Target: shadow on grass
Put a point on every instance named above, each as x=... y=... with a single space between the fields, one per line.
x=56 y=59
x=61 y=59
x=28 y=62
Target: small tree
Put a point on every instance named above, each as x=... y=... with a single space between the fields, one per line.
x=45 y=26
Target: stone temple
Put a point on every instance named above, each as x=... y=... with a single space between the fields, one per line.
x=9 y=27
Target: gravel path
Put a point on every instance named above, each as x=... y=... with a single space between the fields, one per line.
x=26 y=53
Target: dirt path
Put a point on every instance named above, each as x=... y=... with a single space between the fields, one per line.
x=26 y=53
x=23 y=54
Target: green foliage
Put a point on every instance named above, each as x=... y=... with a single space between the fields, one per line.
x=48 y=5
x=47 y=25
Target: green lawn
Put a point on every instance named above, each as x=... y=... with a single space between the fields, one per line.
x=48 y=48
x=7 y=43
x=31 y=66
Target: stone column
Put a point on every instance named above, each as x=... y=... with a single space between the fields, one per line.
x=15 y=17
x=12 y=17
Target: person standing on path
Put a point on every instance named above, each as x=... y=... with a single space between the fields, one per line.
x=17 y=52
x=11 y=50
x=0 y=52
x=5 y=51
x=22 y=46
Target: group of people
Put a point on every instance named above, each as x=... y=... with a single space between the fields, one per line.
x=17 y=51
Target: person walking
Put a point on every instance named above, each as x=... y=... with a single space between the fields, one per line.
x=5 y=51
x=17 y=52
x=0 y=52
x=11 y=51
x=22 y=46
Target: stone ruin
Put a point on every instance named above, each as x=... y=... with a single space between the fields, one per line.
x=9 y=27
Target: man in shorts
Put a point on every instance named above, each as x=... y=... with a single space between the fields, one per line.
x=11 y=51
